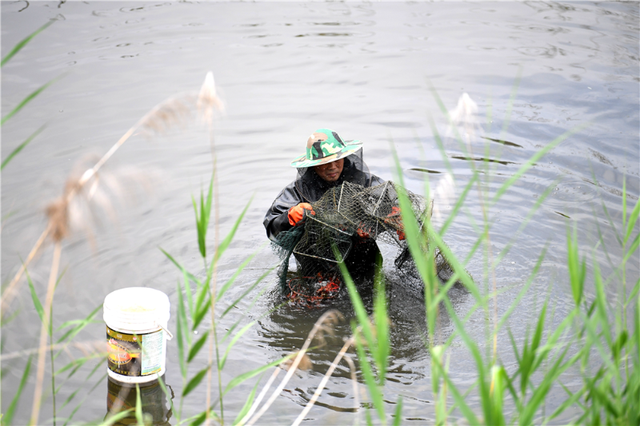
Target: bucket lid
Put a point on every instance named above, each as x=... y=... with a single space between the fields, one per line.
x=136 y=309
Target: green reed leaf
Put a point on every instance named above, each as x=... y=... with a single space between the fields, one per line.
x=197 y=346
x=356 y=301
x=247 y=291
x=34 y=298
x=181 y=330
x=233 y=341
x=369 y=378
x=115 y=419
x=7 y=419
x=201 y=313
x=24 y=42
x=138 y=411
x=235 y=275
x=577 y=270
x=632 y=222
x=461 y=403
x=542 y=389
x=77 y=363
x=78 y=325
x=383 y=348
x=498 y=385
x=225 y=243
x=202 y=295
x=249 y=374
x=26 y=100
x=20 y=147
x=195 y=381
x=525 y=288
x=247 y=404
x=397 y=415
x=179 y=266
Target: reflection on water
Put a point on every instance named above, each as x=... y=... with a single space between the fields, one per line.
x=155 y=407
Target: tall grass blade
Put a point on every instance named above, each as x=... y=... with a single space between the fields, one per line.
x=23 y=43
x=195 y=381
x=247 y=291
x=235 y=275
x=197 y=346
x=77 y=325
x=364 y=325
x=77 y=363
x=232 y=342
x=247 y=405
x=201 y=314
x=227 y=240
x=181 y=330
x=20 y=147
x=369 y=378
x=34 y=297
x=7 y=419
x=115 y=419
x=462 y=405
x=138 y=411
x=577 y=269
x=26 y=100
x=397 y=415
x=356 y=301
x=498 y=379
x=179 y=266
x=203 y=216
x=632 y=222
x=382 y=349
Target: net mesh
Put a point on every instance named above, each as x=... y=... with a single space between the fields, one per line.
x=347 y=218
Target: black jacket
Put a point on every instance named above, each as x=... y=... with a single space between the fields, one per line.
x=309 y=187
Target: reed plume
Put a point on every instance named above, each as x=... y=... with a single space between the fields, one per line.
x=169 y=113
x=175 y=110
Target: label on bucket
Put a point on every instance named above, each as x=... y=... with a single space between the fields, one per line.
x=135 y=354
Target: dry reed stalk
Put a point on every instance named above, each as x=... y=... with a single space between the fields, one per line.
x=208 y=101
x=167 y=113
x=260 y=397
x=87 y=348
x=324 y=381
x=354 y=382
x=323 y=324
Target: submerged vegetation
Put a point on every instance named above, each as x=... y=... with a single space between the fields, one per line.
x=599 y=338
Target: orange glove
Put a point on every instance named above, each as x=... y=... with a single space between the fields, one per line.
x=296 y=213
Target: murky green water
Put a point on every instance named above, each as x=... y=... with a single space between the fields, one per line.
x=284 y=69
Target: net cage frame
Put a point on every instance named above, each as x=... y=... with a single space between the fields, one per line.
x=351 y=209
x=336 y=221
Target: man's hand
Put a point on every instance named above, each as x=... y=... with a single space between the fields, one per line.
x=296 y=213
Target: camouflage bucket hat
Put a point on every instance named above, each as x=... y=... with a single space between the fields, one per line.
x=325 y=146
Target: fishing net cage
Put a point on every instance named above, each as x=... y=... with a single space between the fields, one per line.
x=344 y=220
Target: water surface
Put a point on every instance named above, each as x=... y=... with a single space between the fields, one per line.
x=366 y=70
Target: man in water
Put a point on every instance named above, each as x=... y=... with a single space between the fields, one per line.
x=329 y=161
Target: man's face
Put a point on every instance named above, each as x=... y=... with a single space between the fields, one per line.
x=330 y=172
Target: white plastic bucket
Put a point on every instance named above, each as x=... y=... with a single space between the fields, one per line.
x=137 y=334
